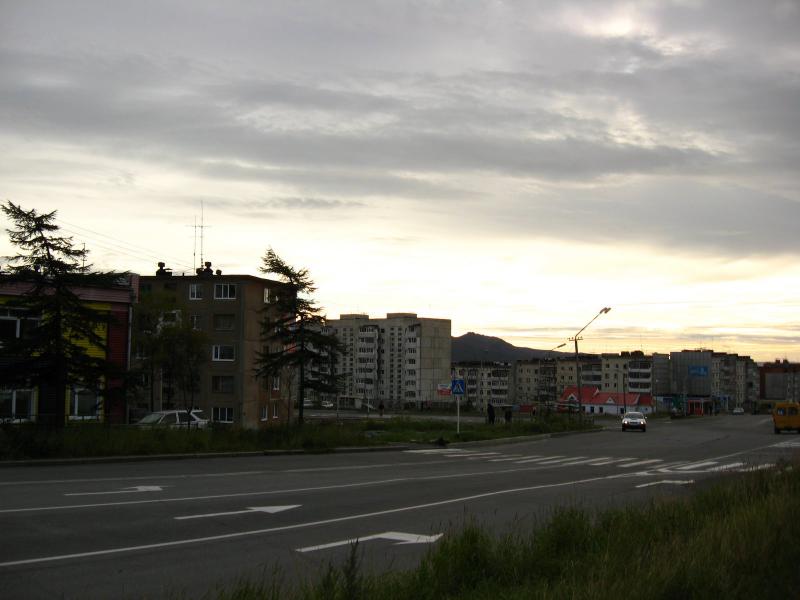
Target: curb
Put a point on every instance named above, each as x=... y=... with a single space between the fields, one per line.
x=99 y=460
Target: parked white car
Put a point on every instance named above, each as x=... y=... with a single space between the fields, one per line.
x=174 y=419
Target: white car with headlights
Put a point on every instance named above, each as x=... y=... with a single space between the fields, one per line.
x=634 y=420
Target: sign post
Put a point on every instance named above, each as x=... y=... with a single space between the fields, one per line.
x=457 y=388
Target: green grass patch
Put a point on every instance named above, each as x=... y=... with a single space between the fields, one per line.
x=93 y=439
x=736 y=539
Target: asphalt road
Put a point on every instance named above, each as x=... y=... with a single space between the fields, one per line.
x=131 y=530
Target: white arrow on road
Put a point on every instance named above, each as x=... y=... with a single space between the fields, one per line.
x=668 y=482
x=131 y=490
x=394 y=536
x=264 y=509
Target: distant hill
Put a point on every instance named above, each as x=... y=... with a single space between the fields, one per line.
x=476 y=347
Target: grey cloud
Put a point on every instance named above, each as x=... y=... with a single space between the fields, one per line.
x=680 y=216
x=414 y=100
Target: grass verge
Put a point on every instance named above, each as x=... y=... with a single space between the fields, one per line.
x=736 y=539
x=92 y=440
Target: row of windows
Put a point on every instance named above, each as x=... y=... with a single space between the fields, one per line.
x=222 y=291
x=17 y=405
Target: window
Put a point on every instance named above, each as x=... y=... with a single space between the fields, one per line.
x=264 y=412
x=169 y=318
x=224 y=291
x=84 y=404
x=222 y=352
x=276 y=383
x=16 y=405
x=222 y=384
x=222 y=414
x=196 y=291
x=224 y=322
x=196 y=321
x=268 y=296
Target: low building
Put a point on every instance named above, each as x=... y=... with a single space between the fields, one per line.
x=597 y=402
x=36 y=403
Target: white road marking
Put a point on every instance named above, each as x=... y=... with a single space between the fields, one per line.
x=695 y=466
x=241 y=534
x=727 y=467
x=788 y=444
x=512 y=457
x=666 y=482
x=667 y=466
x=758 y=467
x=209 y=497
x=560 y=460
x=263 y=509
x=641 y=462
x=131 y=490
x=533 y=460
x=395 y=536
x=585 y=461
x=609 y=462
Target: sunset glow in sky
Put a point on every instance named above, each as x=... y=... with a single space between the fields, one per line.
x=512 y=166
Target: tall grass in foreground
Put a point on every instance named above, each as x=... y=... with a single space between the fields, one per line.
x=737 y=539
x=96 y=439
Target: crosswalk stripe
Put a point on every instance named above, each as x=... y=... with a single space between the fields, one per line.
x=641 y=462
x=610 y=462
x=530 y=460
x=727 y=467
x=671 y=465
x=697 y=465
x=514 y=457
x=468 y=454
x=559 y=460
x=580 y=462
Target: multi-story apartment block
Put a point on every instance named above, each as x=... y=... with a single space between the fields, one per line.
x=228 y=309
x=627 y=372
x=661 y=375
x=400 y=360
x=487 y=383
x=780 y=381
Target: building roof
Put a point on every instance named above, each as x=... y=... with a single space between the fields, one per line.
x=593 y=396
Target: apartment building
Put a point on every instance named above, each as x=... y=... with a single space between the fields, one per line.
x=228 y=310
x=779 y=381
x=627 y=372
x=398 y=360
x=535 y=381
x=488 y=383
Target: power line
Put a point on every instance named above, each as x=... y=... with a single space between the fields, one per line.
x=119 y=246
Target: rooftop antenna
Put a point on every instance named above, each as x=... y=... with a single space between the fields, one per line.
x=201 y=227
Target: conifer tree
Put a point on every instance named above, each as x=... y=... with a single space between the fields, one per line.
x=56 y=353
x=292 y=333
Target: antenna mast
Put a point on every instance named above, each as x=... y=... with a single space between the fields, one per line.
x=202 y=234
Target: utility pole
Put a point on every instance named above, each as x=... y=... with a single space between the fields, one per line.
x=575 y=338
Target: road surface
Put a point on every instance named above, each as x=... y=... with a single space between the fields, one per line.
x=150 y=528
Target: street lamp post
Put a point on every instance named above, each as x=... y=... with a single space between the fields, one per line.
x=577 y=366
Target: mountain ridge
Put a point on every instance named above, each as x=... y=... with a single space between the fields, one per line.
x=475 y=347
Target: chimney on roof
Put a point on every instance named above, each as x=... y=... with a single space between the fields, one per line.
x=218 y=271
x=207 y=271
x=163 y=271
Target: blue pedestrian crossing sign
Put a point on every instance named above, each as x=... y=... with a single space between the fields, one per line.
x=457 y=387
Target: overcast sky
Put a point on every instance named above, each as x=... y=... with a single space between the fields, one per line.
x=512 y=166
